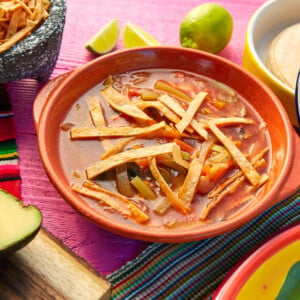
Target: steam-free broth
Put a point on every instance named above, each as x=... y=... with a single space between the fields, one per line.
x=165 y=148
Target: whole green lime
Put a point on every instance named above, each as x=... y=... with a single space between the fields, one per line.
x=207 y=27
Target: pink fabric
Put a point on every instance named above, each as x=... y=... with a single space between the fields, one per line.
x=102 y=249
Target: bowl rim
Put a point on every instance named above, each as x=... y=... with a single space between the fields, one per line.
x=165 y=235
x=249 y=39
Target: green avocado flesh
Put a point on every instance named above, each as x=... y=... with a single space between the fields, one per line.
x=18 y=223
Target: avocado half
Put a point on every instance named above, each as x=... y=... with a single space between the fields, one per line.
x=35 y=56
x=19 y=224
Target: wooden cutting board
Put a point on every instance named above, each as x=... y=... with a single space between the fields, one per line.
x=46 y=269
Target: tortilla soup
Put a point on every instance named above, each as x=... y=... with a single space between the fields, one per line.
x=165 y=148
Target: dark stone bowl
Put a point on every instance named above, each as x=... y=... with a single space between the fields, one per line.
x=35 y=56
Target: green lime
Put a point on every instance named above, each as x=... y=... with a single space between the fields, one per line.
x=105 y=39
x=134 y=36
x=207 y=27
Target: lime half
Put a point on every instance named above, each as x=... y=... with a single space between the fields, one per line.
x=134 y=36
x=105 y=39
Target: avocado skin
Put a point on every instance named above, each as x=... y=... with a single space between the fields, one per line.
x=20 y=244
x=26 y=239
x=35 y=56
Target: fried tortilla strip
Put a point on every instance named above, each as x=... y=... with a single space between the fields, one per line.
x=241 y=160
x=160 y=107
x=256 y=161
x=190 y=184
x=14 y=23
x=131 y=155
x=179 y=110
x=116 y=148
x=174 y=201
x=24 y=6
x=122 y=104
x=96 y=111
x=177 y=156
x=135 y=211
x=110 y=199
x=189 y=187
x=97 y=118
x=163 y=204
x=189 y=114
x=89 y=132
x=213 y=202
x=232 y=121
x=19 y=19
x=231 y=186
x=98 y=196
x=18 y=36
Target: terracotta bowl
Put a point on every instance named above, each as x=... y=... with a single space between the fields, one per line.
x=268 y=272
x=56 y=99
x=265 y=24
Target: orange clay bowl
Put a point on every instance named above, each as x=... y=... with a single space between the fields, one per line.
x=55 y=100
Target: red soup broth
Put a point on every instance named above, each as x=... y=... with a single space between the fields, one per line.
x=220 y=102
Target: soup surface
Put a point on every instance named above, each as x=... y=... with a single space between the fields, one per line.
x=165 y=148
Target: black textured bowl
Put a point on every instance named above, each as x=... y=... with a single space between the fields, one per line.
x=35 y=56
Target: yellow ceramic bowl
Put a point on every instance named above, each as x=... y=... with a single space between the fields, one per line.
x=271 y=272
x=266 y=23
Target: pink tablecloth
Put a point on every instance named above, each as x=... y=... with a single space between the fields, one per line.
x=160 y=18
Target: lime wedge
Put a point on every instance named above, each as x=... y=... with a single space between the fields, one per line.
x=134 y=36
x=105 y=39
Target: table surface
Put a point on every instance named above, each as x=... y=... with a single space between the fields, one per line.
x=160 y=18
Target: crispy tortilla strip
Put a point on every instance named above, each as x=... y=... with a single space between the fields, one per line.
x=189 y=187
x=89 y=132
x=98 y=196
x=241 y=160
x=97 y=118
x=13 y=24
x=19 y=19
x=232 y=121
x=135 y=211
x=96 y=111
x=122 y=104
x=177 y=156
x=230 y=188
x=131 y=155
x=160 y=107
x=24 y=6
x=227 y=191
x=110 y=199
x=116 y=148
x=172 y=198
x=257 y=161
x=190 y=184
x=189 y=114
x=163 y=204
x=179 y=110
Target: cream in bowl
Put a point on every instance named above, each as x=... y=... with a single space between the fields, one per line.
x=270 y=52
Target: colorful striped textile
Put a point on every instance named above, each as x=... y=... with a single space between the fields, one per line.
x=194 y=270
x=9 y=168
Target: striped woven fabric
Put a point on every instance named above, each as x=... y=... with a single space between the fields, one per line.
x=9 y=168
x=194 y=270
